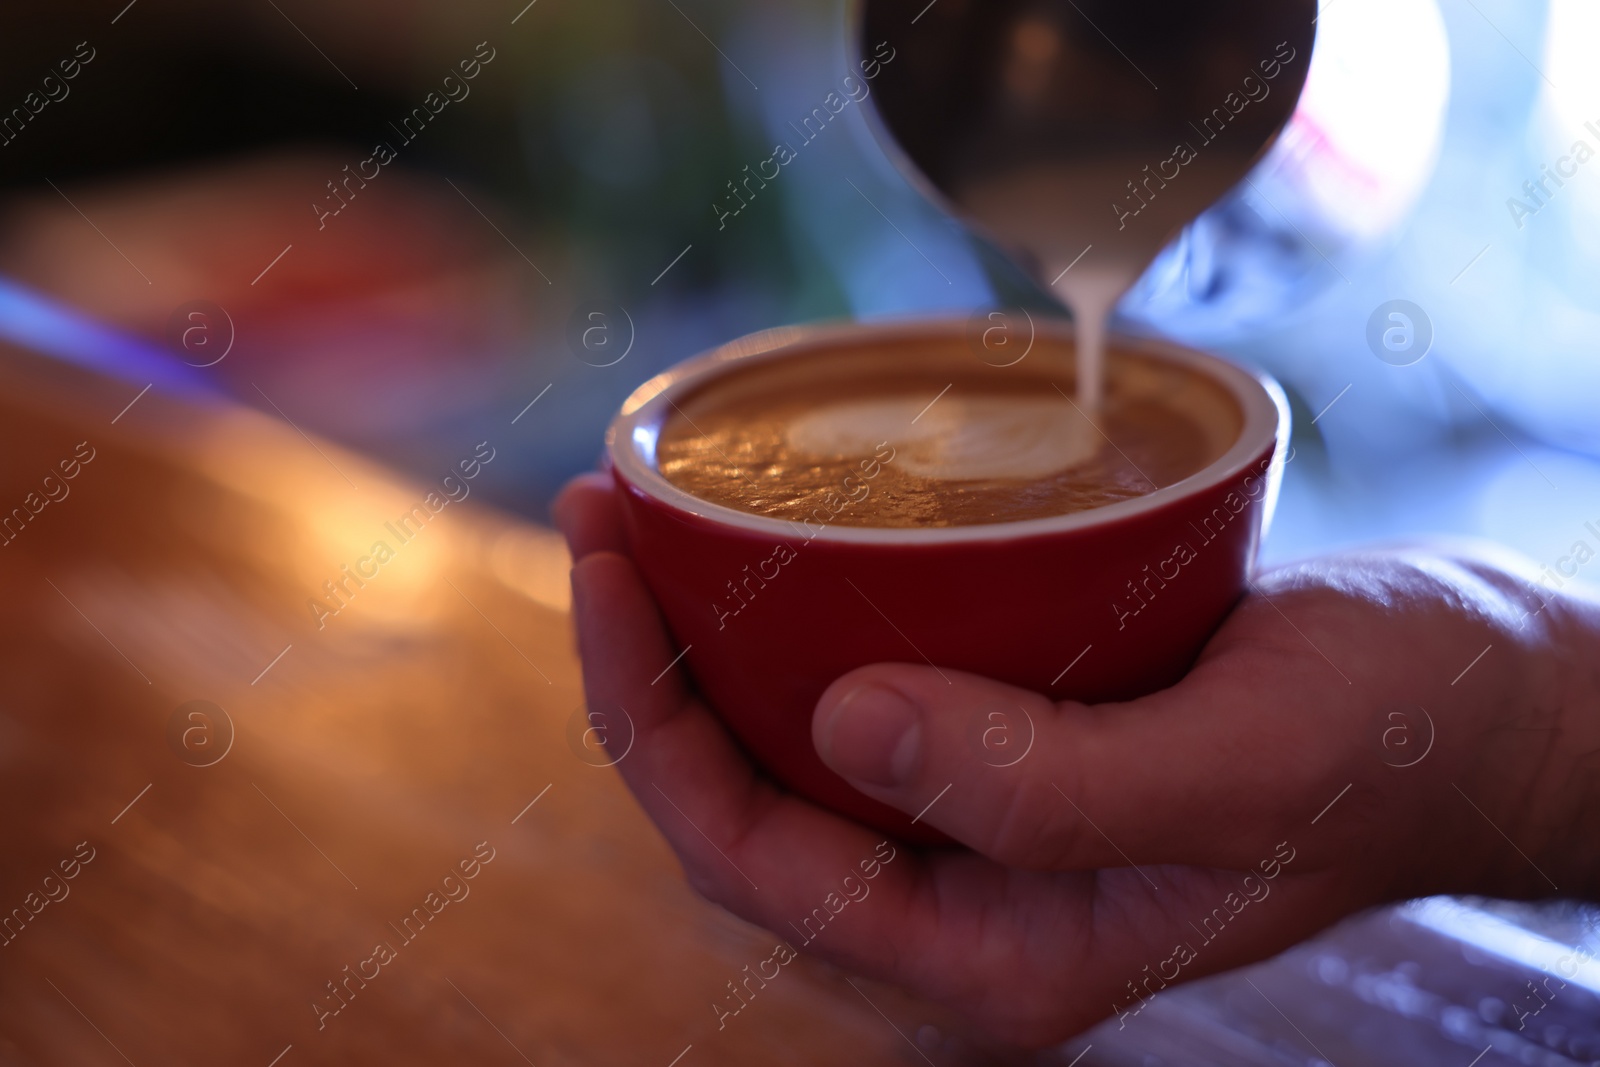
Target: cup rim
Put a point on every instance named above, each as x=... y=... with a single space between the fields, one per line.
x=1262 y=403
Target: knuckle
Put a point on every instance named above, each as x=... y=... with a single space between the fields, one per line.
x=710 y=887
x=698 y=877
x=1029 y=830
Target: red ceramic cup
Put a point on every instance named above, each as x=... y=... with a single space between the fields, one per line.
x=1100 y=605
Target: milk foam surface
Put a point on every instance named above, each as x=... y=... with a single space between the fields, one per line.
x=958 y=438
x=925 y=434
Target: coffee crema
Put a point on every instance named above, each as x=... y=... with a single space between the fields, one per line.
x=912 y=434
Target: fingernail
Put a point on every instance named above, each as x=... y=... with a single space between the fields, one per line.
x=874 y=735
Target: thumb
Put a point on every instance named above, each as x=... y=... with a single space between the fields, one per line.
x=1032 y=784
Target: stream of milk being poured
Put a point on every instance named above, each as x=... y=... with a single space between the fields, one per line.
x=1068 y=216
x=1090 y=293
x=1064 y=215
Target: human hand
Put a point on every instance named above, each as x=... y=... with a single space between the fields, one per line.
x=1340 y=743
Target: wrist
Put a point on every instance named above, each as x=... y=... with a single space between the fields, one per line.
x=1572 y=775
x=1529 y=762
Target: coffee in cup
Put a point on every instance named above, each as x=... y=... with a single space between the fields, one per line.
x=883 y=435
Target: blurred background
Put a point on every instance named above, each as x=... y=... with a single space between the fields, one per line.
x=408 y=228
x=1440 y=157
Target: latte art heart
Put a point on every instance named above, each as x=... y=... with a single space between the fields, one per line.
x=983 y=438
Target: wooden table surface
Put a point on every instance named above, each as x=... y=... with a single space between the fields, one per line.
x=220 y=887
x=369 y=758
